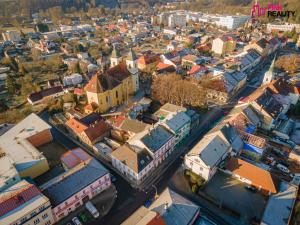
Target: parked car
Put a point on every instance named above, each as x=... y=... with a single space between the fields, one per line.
x=92 y=209
x=251 y=188
x=282 y=168
x=76 y=221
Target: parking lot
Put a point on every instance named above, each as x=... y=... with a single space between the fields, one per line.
x=232 y=194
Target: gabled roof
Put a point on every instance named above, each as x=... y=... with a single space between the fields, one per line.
x=36 y=96
x=74 y=180
x=134 y=126
x=156 y=138
x=210 y=149
x=97 y=130
x=174 y=208
x=262 y=43
x=258 y=177
x=16 y=196
x=136 y=159
x=177 y=121
x=72 y=158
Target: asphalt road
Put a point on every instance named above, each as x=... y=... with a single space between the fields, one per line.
x=130 y=199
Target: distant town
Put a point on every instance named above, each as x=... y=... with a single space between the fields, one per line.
x=173 y=117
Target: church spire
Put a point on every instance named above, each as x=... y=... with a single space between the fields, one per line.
x=269 y=75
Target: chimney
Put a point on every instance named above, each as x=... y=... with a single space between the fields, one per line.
x=166 y=207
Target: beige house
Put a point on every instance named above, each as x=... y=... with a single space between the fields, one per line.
x=223 y=45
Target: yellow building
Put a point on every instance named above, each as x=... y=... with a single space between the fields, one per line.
x=223 y=45
x=112 y=87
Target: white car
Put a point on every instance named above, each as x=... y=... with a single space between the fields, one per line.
x=76 y=221
x=282 y=168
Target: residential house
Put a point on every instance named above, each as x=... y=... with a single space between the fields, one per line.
x=280 y=206
x=179 y=124
x=158 y=141
x=171 y=58
x=72 y=80
x=11 y=35
x=162 y=68
x=127 y=128
x=221 y=88
x=89 y=129
x=264 y=103
x=46 y=94
x=134 y=162
x=148 y=61
x=23 y=203
x=76 y=186
x=112 y=87
x=230 y=134
x=205 y=157
x=250 y=60
x=167 y=109
x=223 y=45
x=251 y=175
x=261 y=46
x=188 y=61
x=169 y=208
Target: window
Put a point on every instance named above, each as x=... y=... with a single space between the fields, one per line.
x=32 y=214
x=77 y=204
x=23 y=219
x=61 y=215
x=41 y=208
x=48 y=222
x=117 y=94
x=36 y=221
x=45 y=216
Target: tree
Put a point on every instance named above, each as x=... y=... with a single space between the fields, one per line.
x=11 y=85
x=172 y=88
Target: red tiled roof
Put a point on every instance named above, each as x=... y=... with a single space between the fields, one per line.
x=76 y=125
x=96 y=130
x=196 y=69
x=17 y=198
x=163 y=66
x=74 y=157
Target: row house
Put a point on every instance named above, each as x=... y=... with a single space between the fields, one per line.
x=76 y=186
x=220 y=88
x=46 y=94
x=89 y=129
x=133 y=162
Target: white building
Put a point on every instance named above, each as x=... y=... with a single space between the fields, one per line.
x=72 y=80
x=283 y=27
x=232 y=22
x=11 y=35
x=177 y=20
x=207 y=154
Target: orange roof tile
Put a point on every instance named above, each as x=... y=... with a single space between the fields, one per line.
x=76 y=125
x=259 y=177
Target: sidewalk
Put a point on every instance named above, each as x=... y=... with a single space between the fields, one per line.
x=103 y=202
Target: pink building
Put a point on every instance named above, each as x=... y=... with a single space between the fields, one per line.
x=76 y=186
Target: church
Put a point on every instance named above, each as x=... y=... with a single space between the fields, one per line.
x=116 y=85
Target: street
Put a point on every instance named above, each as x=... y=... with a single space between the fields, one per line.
x=130 y=199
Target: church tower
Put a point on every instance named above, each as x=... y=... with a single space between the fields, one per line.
x=115 y=57
x=269 y=75
x=131 y=60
